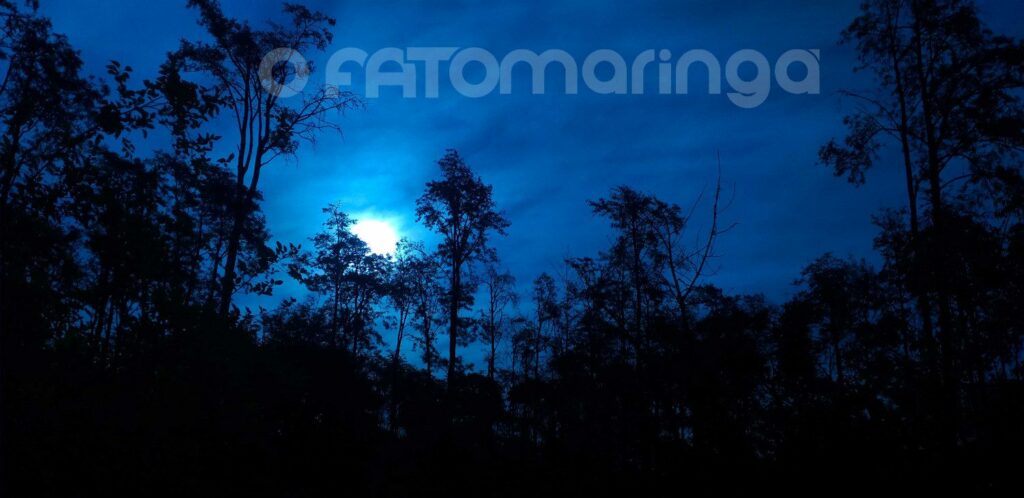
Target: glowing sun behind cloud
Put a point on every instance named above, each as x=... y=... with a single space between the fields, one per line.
x=380 y=235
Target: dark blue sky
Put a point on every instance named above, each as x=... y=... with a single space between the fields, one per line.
x=546 y=155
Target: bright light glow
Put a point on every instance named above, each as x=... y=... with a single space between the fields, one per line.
x=380 y=235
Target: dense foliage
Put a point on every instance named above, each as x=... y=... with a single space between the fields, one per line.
x=126 y=369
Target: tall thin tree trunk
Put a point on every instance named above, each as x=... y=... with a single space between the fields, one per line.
x=490 y=359
x=228 y=281
x=453 y=317
x=246 y=197
x=395 y=363
x=924 y=306
x=335 y=312
x=429 y=358
x=938 y=249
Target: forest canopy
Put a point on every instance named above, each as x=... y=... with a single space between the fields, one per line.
x=127 y=365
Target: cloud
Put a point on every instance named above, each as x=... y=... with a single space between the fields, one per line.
x=546 y=155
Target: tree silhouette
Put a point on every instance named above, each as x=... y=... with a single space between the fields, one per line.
x=629 y=372
x=266 y=125
x=947 y=95
x=352 y=278
x=500 y=292
x=460 y=209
